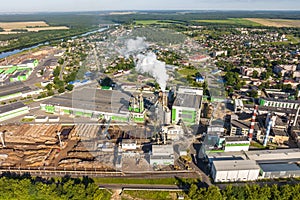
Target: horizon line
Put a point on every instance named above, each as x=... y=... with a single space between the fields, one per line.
x=151 y=10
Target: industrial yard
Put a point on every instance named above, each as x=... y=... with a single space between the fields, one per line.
x=55 y=146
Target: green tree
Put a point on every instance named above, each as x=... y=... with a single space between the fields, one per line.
x=50 y=93
x=69 y=87
x=56 y=71
x=255 y=74
x=49 y=86
x=61 y=90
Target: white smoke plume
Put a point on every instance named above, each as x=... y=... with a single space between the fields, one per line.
x=134 y=46
x=148 y=63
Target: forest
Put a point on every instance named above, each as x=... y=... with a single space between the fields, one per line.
x=26 y=187
x=13 y=186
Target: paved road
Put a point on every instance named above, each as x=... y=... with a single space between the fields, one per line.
x=46 y=172
x=153 y=187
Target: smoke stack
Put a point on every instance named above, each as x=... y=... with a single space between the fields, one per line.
x=268 y=130
x=251 y=131
x=165 y=99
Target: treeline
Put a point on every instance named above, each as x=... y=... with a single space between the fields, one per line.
x=25 y=187
x=255 y=192
x=188 y=16
x=29 y=39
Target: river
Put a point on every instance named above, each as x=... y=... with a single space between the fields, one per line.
x=16 y=51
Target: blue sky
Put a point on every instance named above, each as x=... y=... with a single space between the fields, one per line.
x=95 y=5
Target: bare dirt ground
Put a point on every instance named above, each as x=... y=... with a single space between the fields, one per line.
x=31 y=26
x=276 y=22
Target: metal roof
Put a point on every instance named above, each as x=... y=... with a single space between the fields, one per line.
x=231 y=165
x=279 y=167
x=278 y=155
x=94 y=100
x=188 y=101
x=10 y=107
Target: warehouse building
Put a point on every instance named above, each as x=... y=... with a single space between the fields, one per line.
x=16 y=90
x=274 y=156
x=162 y=155
x=93 y=103
x=234 y=170
x=13 y=110
x=279 y=170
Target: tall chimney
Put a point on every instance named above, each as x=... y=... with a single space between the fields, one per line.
x=269 y=126
x=251 y=131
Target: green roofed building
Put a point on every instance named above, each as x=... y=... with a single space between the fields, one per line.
x=20 y=76
x=11 y=70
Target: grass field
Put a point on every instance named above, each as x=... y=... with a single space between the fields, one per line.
x=231 y=21
x=151 y=195
x=276 y=22
x=187 y=71
x=31 y=26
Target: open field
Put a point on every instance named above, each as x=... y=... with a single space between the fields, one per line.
x=31 y=26
x=276 y=22
x=20 y=25
x=149 y=22
x=150 y=195
x=187 y=71
x=231 y=21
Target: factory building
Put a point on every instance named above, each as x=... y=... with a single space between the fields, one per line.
x=17 y=90
x=13 y=110
x=279 y=170
x=96 y=104
x=162 y=155
x=30 y=63
x=234 y=170
x=174 y=132
x=17 y=73
x=274 y=156
x=279 y=103
x=187 y=106
x=281 y=163
x=20 y=76
x=236 y=143
x=137 y=109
